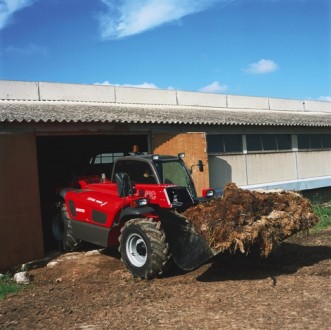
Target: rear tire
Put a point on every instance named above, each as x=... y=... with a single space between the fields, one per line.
x=143 y=248
x=62 y=230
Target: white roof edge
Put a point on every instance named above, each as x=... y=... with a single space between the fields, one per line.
x=48 y=91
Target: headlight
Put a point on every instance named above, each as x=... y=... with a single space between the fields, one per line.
x=139 y=202
x=208 y=193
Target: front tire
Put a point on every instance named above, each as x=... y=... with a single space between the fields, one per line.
x=143 y=248
x=62 y=230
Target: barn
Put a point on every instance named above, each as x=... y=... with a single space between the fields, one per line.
x=50 y=133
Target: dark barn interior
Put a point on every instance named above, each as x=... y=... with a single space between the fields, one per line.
x=62 y=159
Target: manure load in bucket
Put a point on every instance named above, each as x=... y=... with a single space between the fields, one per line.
x=243 y=219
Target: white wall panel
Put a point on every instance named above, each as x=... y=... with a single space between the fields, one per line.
x=286 y=105
x=18 y=90
x=225 y=169
x=318 y=106
x=73 y=92
x=271 y=167
x=145 y=96
x=314 y=164
x=201 y=99
x=247 y=102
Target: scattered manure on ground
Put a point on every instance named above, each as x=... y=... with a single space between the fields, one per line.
x=243 y=219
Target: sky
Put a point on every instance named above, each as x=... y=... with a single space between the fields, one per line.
x=267 y=48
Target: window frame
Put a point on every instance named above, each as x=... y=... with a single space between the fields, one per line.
x=276 y=138
x=309 y=147
x=224 y=144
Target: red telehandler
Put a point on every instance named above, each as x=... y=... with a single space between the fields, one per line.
x=138 y=208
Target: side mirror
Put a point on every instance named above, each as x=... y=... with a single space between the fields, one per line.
x=124 y=187
x=200 y=165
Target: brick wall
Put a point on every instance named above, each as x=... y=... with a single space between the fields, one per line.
x=195 y=148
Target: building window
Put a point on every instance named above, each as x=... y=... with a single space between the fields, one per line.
x=326 y=141
x=224 y=143
x=268 y=142
x=314 y=141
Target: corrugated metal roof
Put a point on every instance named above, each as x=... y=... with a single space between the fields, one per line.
x=87 y=112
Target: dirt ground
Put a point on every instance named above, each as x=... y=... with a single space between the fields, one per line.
x=289 y=290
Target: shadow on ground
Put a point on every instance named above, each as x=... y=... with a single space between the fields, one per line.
x=288 y=259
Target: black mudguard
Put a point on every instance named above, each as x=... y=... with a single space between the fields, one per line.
x=136 y=211
x=189 y=249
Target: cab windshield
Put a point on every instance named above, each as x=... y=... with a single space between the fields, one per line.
x=174 y=172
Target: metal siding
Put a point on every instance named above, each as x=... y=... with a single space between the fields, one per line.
x=20 y=220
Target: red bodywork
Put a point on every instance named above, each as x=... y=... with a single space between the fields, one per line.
x=98 y=204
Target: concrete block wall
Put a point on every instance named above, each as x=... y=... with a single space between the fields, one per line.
x=317 y=106
x=45 y=91
x=80 y=93
x=286 y=105
x=247 y=102
x=252 y=168
x=264 y=169
x=314 y=164
x=273 y=167
x=19 y=90
x=226 y=169
x=201 y=99
x=145 y=96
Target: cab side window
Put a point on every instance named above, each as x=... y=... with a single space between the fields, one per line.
x=139 y=172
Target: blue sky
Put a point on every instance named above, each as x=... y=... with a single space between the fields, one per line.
x=270 y=48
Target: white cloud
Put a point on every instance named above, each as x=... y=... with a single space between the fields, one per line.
x=143 y=85
x=214 y=87
x=262 y=67
x=30 y=49
x=325 y=98
x=105 y=83
x=9 y=7
x=131 y=17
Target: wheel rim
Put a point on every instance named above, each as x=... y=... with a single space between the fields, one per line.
x=136 y=250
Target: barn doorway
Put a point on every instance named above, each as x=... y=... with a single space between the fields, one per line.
x=62 y=159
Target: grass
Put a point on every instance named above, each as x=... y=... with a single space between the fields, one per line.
x=8 y=286
x=323 y=211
